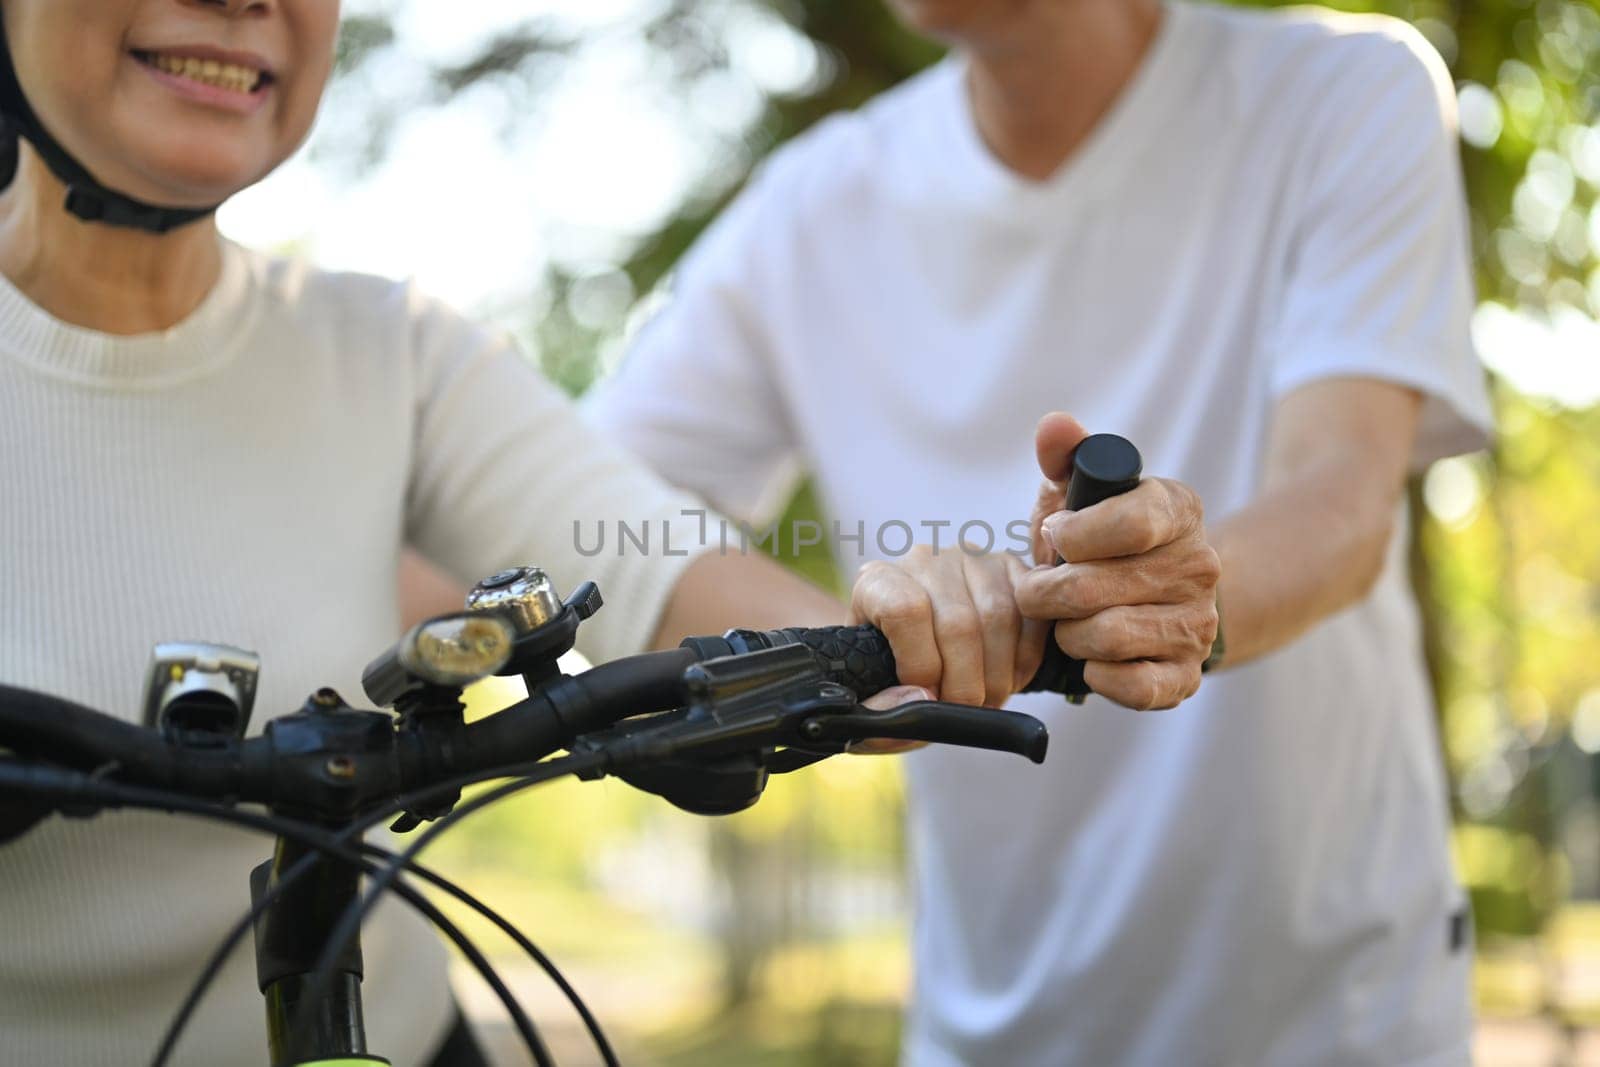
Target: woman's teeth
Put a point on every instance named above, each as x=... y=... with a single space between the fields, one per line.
x=223 y=75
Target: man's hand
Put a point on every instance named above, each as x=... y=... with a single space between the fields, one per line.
x=892 y=697
x=952 y=618
x=1135 y=592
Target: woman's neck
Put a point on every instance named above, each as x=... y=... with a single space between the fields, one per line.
x=1039 y=87
x=105 y=278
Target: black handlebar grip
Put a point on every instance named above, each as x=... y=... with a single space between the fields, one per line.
x=1103 y=466
x=856 y=657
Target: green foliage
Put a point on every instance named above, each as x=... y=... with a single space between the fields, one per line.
x=359 y=37
x=862 y=51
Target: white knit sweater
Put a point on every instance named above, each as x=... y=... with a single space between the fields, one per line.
x=248 y=477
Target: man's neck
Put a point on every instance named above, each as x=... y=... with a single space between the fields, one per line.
x=105 y=278
x=1040 y=87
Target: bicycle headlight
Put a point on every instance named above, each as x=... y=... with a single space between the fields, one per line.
x=451 y=651
x=195 y=690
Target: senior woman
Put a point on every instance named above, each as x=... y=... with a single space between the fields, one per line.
x=204 y=441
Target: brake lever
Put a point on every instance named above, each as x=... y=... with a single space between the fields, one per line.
x=824 y=725
x=774 y=711
x=937 y=722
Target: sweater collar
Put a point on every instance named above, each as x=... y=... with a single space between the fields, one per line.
x=201 y=344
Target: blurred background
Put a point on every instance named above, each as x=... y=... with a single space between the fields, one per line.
x=543 y=163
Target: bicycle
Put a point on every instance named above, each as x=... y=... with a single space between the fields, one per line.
x=703 y=726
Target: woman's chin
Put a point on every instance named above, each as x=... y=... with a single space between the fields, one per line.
x=191 y=181
x=181 y=168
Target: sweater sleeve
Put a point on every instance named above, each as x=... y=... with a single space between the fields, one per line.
x=504 y=473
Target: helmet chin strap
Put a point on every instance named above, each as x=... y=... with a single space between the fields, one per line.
x=86 y=197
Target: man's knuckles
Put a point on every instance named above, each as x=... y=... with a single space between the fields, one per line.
x=958 y=626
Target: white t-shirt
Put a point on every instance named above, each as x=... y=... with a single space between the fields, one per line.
x=248 y=477
x=1260 y=876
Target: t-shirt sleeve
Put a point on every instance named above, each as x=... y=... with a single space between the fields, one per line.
x=1378 y=282
x=505 y=473
x=697 y=396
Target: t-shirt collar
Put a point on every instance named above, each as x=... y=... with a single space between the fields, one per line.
x=1099 y=164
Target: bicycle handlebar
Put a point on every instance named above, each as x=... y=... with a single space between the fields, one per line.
x=328 y=757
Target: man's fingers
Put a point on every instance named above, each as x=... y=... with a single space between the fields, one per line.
x=890 y=698
x=930 y=621
x=989 y=586
x=894 y=696
x=958 y=629
x=1151 y=631
x=1055 y=438
x=1135 y=596
x=1155 y=513
x=1144 y=685
x=1170 y=575
x=897 y=604
x=1033 y=634
x=1052 y=498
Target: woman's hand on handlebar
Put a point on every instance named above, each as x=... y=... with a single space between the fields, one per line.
x=952 y=619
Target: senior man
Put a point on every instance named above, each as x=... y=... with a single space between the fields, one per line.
x=1238 y=239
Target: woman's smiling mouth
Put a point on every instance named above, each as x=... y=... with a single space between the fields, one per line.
x=234 y=82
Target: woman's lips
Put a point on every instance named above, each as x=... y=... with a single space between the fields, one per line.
x=222 y=83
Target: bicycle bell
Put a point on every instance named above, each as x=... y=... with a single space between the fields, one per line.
x=523 y=595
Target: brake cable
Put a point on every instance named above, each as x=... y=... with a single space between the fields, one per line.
x=82 y=786
x=349 y=925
